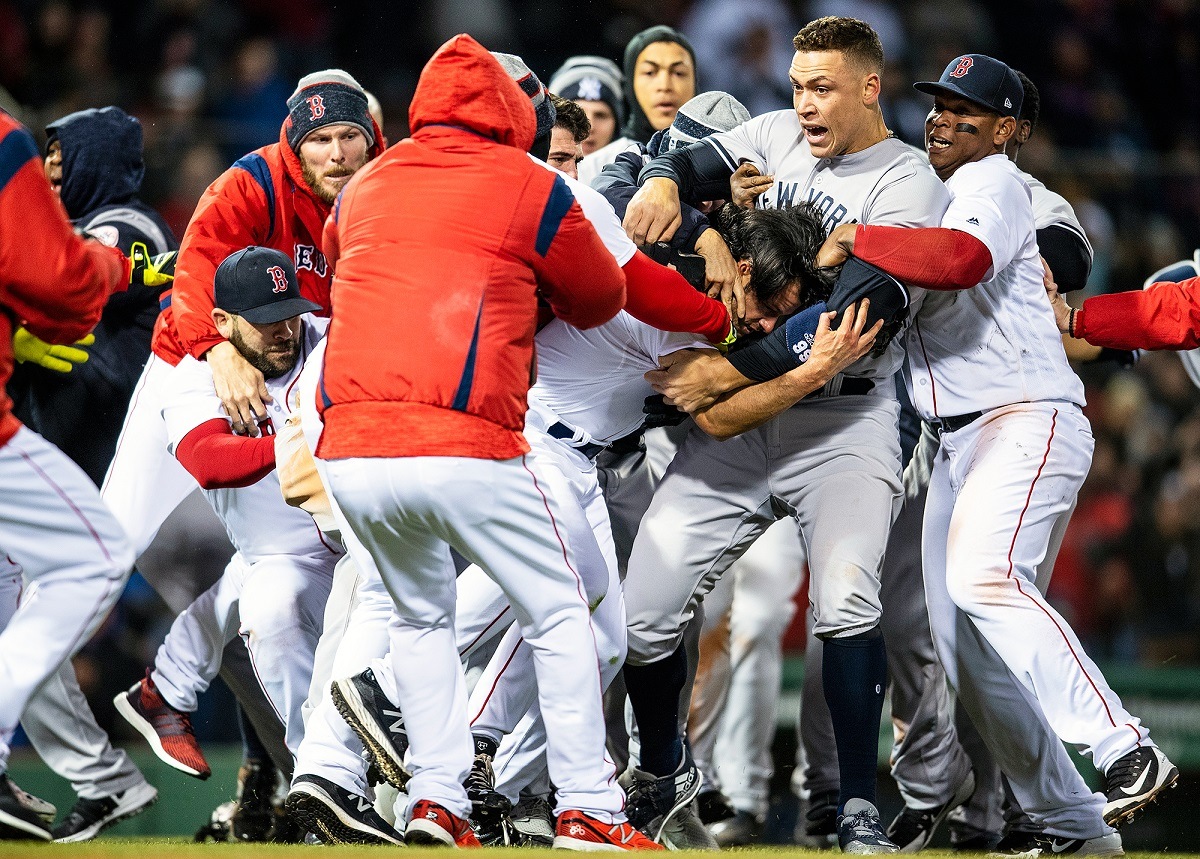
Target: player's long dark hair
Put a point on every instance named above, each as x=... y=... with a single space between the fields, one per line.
x=781 y=245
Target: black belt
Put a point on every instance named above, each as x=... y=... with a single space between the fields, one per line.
x=561 y=431
x=849 y=385
x=956 y=422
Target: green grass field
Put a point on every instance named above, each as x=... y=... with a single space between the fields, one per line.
x=151 y=848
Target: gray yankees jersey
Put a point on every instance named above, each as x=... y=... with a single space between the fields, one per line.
x=889 y=183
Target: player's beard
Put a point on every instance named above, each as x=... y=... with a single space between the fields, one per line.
x=318 y=187
x=272 y=364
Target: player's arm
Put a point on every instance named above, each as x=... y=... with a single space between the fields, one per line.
x=576 y=273
x=930 y=257
x=55 y=283
x=1164 y=316
x=833 y=350
x=700 y=171
x=218 y=459
x=663 y=299
x=1068 y=255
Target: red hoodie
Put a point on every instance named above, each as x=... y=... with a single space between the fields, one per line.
x=261 y=200
x=51 y=281
x=445 y=243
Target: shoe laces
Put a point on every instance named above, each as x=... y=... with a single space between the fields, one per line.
x=1126 y=769
x=481 y=779
x=863 y=825
x=87 y=811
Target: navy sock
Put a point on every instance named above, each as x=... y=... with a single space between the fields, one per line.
x=654 y=691
x=855 y=674
x=252 y=747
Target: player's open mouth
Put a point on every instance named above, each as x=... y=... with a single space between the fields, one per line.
x=816 y=133
x=937 y=143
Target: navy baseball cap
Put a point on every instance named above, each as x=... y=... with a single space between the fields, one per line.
x=259 y=284
x=981 y=80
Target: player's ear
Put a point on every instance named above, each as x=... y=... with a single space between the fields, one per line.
x=871 y=89
x=1005 y=130
x=745 y=267
x=223 y=321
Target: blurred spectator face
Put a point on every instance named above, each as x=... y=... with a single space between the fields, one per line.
x=835 y=101
x=604 y=124
x=958 y=132
x=329 y=156
x=256 y=63
x=53 y=166
x=663 y=79
x=565 y=153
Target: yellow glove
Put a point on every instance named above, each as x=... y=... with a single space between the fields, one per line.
x=729 y=340
x=155 y=272
x=60 y=359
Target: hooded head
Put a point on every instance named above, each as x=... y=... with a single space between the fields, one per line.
x=639 y=127
x=539 y=97
x=703 y=115
x=101 y=152
x=463 y=85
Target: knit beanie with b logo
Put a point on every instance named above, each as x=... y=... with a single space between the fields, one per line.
x=331 y=97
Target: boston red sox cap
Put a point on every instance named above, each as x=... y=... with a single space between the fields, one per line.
x=259 y=284
x=982 y=80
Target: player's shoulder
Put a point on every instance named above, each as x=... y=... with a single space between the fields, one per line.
x=1049 y=207
x=192 y=376
x=995 y=172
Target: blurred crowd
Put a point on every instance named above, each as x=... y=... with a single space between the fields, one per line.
x=1118 y=136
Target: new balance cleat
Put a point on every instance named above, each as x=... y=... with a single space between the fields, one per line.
x=167 y=730
x=335 y=815
x=579 y=831
x=653 y=802
x=1045 y=846
x=1134 y=781
x=913 y=828
x=532 y=822
x=89 y=817
x=378 y=723
x=431 y=825
x=860 y=830
x=17 y=821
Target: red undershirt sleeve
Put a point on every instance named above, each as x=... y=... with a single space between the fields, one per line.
x=662 y=298
x=929 y=257
x=218 y=459
x=1165 y=316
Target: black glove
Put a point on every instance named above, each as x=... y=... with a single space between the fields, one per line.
x=691 y=266
x=659 y=414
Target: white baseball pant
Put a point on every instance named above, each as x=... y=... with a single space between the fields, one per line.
x=277 y=606
x=407 y=513
x=1000 y=496
x=72 y=553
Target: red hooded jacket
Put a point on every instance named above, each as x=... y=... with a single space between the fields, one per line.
x=51 y=281
x=445 y=242
x=261 y=200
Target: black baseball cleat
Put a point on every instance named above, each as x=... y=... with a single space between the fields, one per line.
x=489 y=807
x=817 y=829
x=335 y=815
x=254 y=818
x=89 y=817
x=532 y=823
x=712 y=807
x=378 y=723
x=1051 y=845
x=913 y=828
x=860 y=831
x=19 y=822
x=741 y=830
x=662 y=807
x=1134 y=781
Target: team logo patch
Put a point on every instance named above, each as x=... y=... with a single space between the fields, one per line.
x=803 y=347
x=278 y=278
x=964 y=66
x=589 y=89
x=316 y=106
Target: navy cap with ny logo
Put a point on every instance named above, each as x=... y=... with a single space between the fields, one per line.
x=982 y=80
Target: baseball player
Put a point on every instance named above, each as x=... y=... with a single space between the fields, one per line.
x=277 y=196
x=55 y=533
x=596 y=85
x=94 y=161
x=986 y=367
x=833 y=150
x=451 y=469
x=273 y=594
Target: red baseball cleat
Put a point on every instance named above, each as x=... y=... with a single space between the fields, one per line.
x=433 y=826
x=578 y=831
x=167 y=730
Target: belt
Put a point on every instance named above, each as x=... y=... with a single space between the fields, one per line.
x=954 y=423
x=843 y=386
x=561 y=431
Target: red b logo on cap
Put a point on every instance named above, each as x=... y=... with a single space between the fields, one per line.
x=316 y=106
x=279 y=278
x=964 y=66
